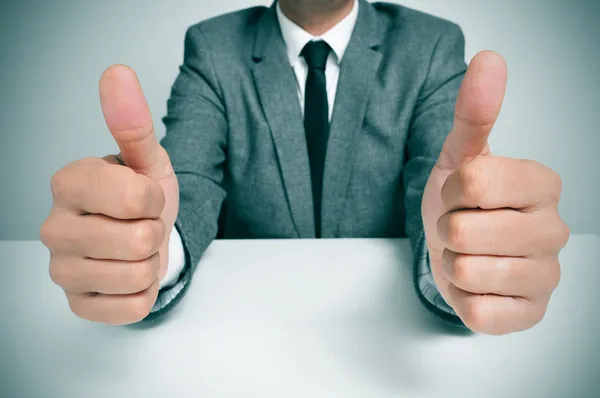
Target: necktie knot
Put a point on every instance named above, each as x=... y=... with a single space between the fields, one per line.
x=315 y=53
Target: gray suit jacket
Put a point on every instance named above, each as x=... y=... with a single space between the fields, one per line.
x=236 y=138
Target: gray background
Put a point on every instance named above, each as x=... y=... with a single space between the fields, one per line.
x=53 y=52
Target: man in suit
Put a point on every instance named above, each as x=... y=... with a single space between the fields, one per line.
x=312 y=119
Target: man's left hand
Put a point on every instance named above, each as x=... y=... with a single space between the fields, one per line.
x=492 y=225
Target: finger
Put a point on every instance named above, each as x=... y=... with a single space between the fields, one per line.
x=129 y=120
x=99 y=186
x=495 y=315
x=504 y=276
x=84 y=275
x=103 y=238
x=490 y=182
x=114 y=309
x=503 y=232
x=477 y=108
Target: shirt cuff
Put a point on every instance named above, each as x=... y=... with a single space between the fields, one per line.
x=428 y=291
x=177 y=273
x=176 y=261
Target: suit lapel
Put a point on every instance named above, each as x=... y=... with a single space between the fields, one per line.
x=277 y=89
x=358 y=70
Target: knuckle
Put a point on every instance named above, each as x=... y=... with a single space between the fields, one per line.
x=539 y=314
x=48 y=232
x=140 y=307
x=143 y=241
x=528 y=164
x=137 y=196
x=78 y=306
x=458 y=230
x=556 y=186
x=55 y=274
x=142 y=276
x=59 y=274
x=147 y=238
x=473 y=180
x=563 y=233
x=58 y=183
x=558 y=234
x=475 y=317
x=535 y=313
x=462 y=270
x=555 y=275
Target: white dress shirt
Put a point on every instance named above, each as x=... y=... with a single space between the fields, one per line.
x=295 y=39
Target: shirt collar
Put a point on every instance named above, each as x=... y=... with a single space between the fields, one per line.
x=296 y=38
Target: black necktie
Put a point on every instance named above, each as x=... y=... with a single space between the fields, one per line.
x=316 y=119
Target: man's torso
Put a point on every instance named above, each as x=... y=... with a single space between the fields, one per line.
x=266 y=173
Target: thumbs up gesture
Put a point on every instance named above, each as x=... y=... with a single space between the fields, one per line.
x=109 y=227
x=491 y=223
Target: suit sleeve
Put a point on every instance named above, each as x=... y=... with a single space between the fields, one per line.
x=431 y=122
x=196 y=141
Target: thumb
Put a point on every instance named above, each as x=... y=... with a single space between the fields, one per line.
x=477 y=108
x=129 y=120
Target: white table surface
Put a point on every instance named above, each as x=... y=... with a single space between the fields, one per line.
x=331 y=318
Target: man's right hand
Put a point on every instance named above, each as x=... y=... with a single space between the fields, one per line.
x=108 y=231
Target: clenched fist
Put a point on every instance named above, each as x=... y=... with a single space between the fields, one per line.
x=491 y=223
x=109 y=227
